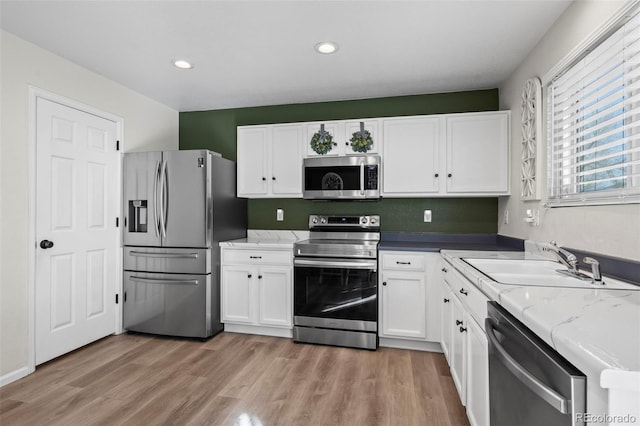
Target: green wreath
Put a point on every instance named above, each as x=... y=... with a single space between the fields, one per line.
x=361 y=141
x=322 y=142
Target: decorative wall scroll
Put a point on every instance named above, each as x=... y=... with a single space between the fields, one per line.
x=531 y=126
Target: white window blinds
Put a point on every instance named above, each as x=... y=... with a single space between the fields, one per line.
x=594 y=127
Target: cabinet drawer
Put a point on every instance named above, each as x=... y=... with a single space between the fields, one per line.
x=257 y=257
x=471 y=297
x=403 y=262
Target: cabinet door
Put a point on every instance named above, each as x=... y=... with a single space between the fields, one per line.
x=446 y=319
x=350 y=127
x=477 y=375
x=457 y=349
x=478 y=153
x=329 y=126
x=403 y=305
x=252 y=161
x=286 y=160
x=411 y=155
x=237 y=294
x=434 y=265
x=275 y=287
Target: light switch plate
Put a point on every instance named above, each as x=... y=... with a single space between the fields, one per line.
x=279 y=215
x=427 y=216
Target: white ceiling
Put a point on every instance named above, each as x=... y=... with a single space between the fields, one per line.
x=251 y=53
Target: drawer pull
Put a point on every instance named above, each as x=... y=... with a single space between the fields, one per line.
x=458 y=322
x=445 y=270
x=255 y=257
x=446 y=300
x=462 y=329
x=249 y=276
x=463 y=291
x=259 y=277
x=403 y=263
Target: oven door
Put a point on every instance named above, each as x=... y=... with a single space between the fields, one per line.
x=336 y=293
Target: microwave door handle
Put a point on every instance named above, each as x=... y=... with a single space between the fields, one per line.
x=361 y=177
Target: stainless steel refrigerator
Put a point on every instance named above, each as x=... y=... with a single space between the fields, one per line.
x=178 y=206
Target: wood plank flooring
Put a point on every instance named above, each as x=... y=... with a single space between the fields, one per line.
x=233 y=379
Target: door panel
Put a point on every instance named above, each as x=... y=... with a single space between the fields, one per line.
x=286 y=147
x=141 y=175
x=275 y=296
x=188 y=199
x=76 y=206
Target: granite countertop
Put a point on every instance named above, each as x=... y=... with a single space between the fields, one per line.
x=594 y=329
x=434 y=242
x=261 y=239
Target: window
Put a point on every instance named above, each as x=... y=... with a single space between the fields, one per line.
x=594 y=124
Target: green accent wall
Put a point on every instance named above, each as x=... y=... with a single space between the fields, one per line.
x=216 y=130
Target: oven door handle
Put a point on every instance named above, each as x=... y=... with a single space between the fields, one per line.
x=549 y=395
x=335 y=263
x=361 y=177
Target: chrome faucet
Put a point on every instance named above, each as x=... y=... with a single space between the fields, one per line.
x=596 y=276
x=568 y=259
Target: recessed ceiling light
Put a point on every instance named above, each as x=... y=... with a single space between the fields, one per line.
x=326 y=47
x=181 y=63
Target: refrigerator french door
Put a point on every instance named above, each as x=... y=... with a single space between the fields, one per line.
x=178 y=206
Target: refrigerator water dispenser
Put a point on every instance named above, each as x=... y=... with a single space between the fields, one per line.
x=138 y=212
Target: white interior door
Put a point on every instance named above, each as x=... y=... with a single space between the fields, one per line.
x=77 y=238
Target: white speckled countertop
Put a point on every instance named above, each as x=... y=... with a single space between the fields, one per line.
x=257 y=238
x=594 y=329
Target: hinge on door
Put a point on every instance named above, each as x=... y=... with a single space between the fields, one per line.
x=116 y=299
x=117 y=145
x=117 y=222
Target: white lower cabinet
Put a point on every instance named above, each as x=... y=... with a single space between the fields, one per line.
x=464 y=342
x=477 y=375
x=409 y=315
x=256 y=291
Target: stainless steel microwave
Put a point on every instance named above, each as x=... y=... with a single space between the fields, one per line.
x=353 y=177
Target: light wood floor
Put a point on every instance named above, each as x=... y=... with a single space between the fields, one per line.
x=233 y=379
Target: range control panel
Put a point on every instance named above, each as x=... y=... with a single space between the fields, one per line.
x=348 y=221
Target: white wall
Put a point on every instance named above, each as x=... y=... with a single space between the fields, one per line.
x=611 y=230
x=148 y=125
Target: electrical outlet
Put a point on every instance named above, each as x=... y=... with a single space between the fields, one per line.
x=279 y=215
x=505 y=218
x=427 y=216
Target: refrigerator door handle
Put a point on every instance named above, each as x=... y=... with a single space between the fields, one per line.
x=156 y=220
x=163 y=281
x=164 y=255
x=163 y=199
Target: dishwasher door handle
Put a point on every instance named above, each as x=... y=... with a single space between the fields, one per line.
x=549 y=395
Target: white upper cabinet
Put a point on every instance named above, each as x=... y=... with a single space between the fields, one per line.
x=342 y=132
x=269 y=161
x=411 y=156
x=459 y=155
x=478 y=153
x=450 y=154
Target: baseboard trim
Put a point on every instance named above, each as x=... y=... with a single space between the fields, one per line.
x=14 y=375
x=260 y=330
x=410 y=344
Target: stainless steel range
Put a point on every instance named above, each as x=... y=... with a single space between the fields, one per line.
x=335 y=287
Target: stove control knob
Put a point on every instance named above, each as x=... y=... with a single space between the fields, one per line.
x=364 y=220
x=323 y=220
x=314 y=220
x=373 y=221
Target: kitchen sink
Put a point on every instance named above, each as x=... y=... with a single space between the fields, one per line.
x=543 y=273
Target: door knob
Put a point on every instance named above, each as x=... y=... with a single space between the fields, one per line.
x=46 y=244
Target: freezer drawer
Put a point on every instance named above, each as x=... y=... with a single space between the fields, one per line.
x=173 y=260
x=168 y=304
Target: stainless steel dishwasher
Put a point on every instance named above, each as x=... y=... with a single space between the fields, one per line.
x=530 y=384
